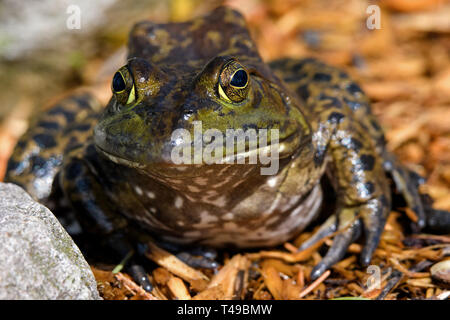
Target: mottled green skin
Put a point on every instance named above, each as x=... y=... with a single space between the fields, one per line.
x=125 y=175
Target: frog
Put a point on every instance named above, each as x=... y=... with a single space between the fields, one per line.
x=113 y=165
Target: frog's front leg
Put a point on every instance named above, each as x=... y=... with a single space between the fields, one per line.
x=95 y=211
x=346 y=131
x=363 y=192
x=349 y=142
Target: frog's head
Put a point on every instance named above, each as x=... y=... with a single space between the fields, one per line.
x=180 y=75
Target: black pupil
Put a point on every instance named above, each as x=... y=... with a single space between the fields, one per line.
x=239 y=79
x=118 y=84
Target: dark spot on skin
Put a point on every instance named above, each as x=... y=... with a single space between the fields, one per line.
x=322 y=77
x=241 y=45
x=375 y=124
x=83 y=102
x=73 y=143
x=12 y=165
x=319 y=156
x=335 y=87
x=364 y=126
x=18 y=167
x=44 y=140
x=49 y=125
x=335 y=117
x=293 y=78
x=43 y=167
x=354 y=105
x=355 y=145
x=82 y=127
x=381 y=141
x=302 y=75
x=370 y=187
x=334 y=102
x=22 y=144
x=280 y=63
x=302 y=63
x=70 y=116
x=303 y=91
x=353 y=88
x=298 y=67
x=343 y=75
x=73 y=170
x=367 y=162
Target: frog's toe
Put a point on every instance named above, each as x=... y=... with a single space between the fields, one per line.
x=195 y=261
x=373 y=216
x=326 y=229
x=139 y=275
x=338 y=249
x=131 y=258
x=349 y=222
x=347 y=225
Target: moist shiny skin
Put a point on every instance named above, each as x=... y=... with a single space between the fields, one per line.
x=113 y=164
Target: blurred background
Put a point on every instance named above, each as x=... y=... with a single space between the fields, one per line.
x=404 y=66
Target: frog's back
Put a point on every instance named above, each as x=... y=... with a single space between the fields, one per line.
x=322 y=87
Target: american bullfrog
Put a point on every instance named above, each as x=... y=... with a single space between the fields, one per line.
x=115 y=168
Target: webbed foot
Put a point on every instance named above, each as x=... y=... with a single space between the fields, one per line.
x=349 y=223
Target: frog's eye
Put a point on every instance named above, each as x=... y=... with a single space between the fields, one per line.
x=122 y=86
x=239 y=79
x=118 y=83
x=233 y=82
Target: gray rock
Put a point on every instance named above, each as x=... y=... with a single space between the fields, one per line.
x=38 y=259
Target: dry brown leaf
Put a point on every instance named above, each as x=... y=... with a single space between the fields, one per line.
x=315 y=284
x=273 y=281
x=178 y=289
x=212 y=293
x=232 y=277
x=174 y=265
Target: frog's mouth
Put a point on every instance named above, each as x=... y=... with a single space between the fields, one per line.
x=164 y=167
x=120 y=160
